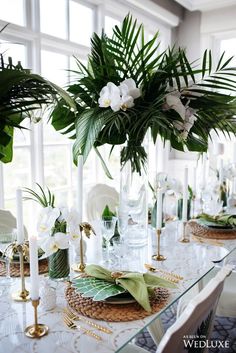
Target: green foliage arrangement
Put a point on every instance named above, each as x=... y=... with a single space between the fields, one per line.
x=21 y=93
x=129 y=87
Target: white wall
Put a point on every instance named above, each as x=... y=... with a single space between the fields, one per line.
x=188 y=34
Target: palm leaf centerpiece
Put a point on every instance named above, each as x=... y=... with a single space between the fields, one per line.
x=21 y=94
x=129 y=87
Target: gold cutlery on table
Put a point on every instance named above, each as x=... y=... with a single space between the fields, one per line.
x=75 y=317
x=69 y=323
x=173 y=277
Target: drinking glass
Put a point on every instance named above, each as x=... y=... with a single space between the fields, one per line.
x=107 y=231
x=122 y=223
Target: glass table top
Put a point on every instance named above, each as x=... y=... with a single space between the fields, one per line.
x=192 y=261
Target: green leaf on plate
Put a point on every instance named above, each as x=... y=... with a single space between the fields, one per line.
x=97 y=289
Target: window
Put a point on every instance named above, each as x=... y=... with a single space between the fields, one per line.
x=53 y=18
x=81 y=23
x=110 y=23
x=13 y=11
x=61 y=29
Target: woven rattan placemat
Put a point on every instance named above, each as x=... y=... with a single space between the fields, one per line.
x=115 y=312
x=15 y=268
x=199 y=230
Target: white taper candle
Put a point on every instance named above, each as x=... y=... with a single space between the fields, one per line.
x=185 y=196
x=19 y=217
x=34 y=267
x=159 y=209
x=80 y=187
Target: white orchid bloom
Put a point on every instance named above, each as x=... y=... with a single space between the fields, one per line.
x=128 y=88
x=53 y=243
x=126 y=102
x=186 y=125
x=173 y=101
x=110 y=97
x=73 y=225
x=47 y=219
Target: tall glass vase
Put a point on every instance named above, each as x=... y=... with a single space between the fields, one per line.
x=133 y=206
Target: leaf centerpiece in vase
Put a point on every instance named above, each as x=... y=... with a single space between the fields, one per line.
x=102 y=284
x=129 y=87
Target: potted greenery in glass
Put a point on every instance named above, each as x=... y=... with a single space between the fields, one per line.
x=129 y=88
x=56 y=228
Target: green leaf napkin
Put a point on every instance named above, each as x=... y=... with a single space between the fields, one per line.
x=139 y=285
x=222 y=219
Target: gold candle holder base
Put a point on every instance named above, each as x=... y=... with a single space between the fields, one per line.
x=158 y=256
x=21 y=296
x=184 y=239
x=36 y=330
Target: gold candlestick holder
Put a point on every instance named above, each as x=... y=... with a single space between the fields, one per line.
x=36 y=330
x=184 y=239
x=23 y=294
x=158 y=256
x=82 y=265
x=87 y=229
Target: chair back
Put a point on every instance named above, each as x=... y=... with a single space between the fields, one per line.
x=193 y=328
x=8 y=223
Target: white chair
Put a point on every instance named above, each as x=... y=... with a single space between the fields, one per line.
x=227 y=302
x=8 y=222
x=97 y=198
x=196 y=319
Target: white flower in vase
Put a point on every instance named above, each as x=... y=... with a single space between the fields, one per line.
x=47 y=219
x=128 y=88
x=110 y=97
x=126 y=102
x=53 y=243
x=173 y=101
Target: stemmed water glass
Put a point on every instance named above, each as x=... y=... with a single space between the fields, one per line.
x=108 y=230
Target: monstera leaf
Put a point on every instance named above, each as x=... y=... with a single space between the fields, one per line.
x=96 y=288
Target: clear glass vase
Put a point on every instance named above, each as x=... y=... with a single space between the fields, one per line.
x=133 y=206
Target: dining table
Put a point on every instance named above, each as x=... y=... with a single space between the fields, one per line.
x=191 y=261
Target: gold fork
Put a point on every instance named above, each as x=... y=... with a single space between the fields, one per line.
x=169 y=275
x=69 y=323
x=72 y=316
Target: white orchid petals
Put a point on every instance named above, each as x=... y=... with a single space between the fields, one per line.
x=179 y=125
x=127 y=102
x=174 y=102
x=47 y=219
x=128 y=88
x=61 y=240
x=121 y=97
x=49 y=246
